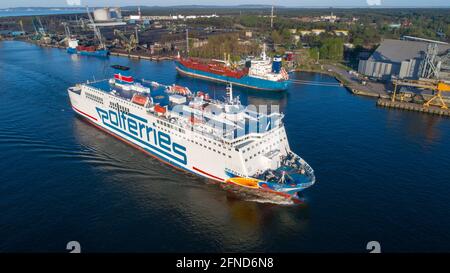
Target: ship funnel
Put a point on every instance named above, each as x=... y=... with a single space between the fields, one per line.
x=122 y=74
x=276 y=64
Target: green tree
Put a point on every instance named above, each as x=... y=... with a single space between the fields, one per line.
x=332 y=49
x=276 y=37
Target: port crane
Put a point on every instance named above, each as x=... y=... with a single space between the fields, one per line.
x=21 y=26
x=96 y=30
x=130 y=44
x=437 y=86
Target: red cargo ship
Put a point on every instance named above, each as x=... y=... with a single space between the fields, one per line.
x=213 y=67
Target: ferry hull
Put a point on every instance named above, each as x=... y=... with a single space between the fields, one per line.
x=257 y=187
x=245 y=81
x=189 y=151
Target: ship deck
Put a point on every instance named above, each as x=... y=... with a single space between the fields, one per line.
x=239 y=129
x=158 y=94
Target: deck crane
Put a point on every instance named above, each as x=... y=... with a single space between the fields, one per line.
x=437 y=86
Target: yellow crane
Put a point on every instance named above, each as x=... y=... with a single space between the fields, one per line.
x=130 y=44
x=438 y=86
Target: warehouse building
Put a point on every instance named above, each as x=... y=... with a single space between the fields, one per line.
x=399 y=58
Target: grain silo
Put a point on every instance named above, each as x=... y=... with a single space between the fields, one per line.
x=102 y=15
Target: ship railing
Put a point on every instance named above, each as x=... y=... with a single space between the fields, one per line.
x=75 y=89
x=308 y=170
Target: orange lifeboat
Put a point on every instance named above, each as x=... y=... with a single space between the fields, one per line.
x=177 y=89
x=159 y=109
x=244 y=182
x=140 y=100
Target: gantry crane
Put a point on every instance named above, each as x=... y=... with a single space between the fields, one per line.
x=436 y=85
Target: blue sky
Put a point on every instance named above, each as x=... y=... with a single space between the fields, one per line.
x=325 y=3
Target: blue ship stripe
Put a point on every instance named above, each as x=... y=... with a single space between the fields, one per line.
x=147 y=144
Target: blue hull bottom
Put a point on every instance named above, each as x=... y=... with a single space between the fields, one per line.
x=97 y=53
x=246 y=81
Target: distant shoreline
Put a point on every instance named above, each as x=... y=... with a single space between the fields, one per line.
x=37 y=12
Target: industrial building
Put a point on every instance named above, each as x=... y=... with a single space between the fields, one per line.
x=107 y=14
x=108 y=17
x=411 y=58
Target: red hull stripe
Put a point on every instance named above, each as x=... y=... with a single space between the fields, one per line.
x=83 y=113
x=210 y=175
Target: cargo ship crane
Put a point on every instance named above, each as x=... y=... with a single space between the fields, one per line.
x=438 y=86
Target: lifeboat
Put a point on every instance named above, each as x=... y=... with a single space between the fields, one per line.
x=244 y=182
x=159 y=109
x=177 y=89
x=140 y=100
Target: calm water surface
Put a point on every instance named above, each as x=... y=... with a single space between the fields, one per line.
x=381 y=174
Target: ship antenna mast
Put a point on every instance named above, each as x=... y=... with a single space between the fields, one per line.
x=263 y=53
x=230 y=92
x=187 y=42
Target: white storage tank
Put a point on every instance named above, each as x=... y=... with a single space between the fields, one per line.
x=102 y=14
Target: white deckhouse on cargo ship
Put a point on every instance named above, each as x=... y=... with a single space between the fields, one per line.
x=219 y=140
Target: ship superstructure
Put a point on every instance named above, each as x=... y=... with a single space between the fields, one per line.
x=219 y=140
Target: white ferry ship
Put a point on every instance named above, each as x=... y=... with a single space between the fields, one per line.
x=218 y=140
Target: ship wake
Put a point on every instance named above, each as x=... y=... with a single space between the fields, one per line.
x=257 y=196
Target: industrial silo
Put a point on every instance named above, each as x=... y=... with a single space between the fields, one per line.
x=102 y=14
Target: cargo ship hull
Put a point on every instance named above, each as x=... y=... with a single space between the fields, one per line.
x=96 y=53
x=245 y=81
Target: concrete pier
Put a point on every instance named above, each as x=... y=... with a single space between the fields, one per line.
x=142 y=57
x=413 y=107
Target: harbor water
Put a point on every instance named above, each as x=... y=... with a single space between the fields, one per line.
x=382 y=174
